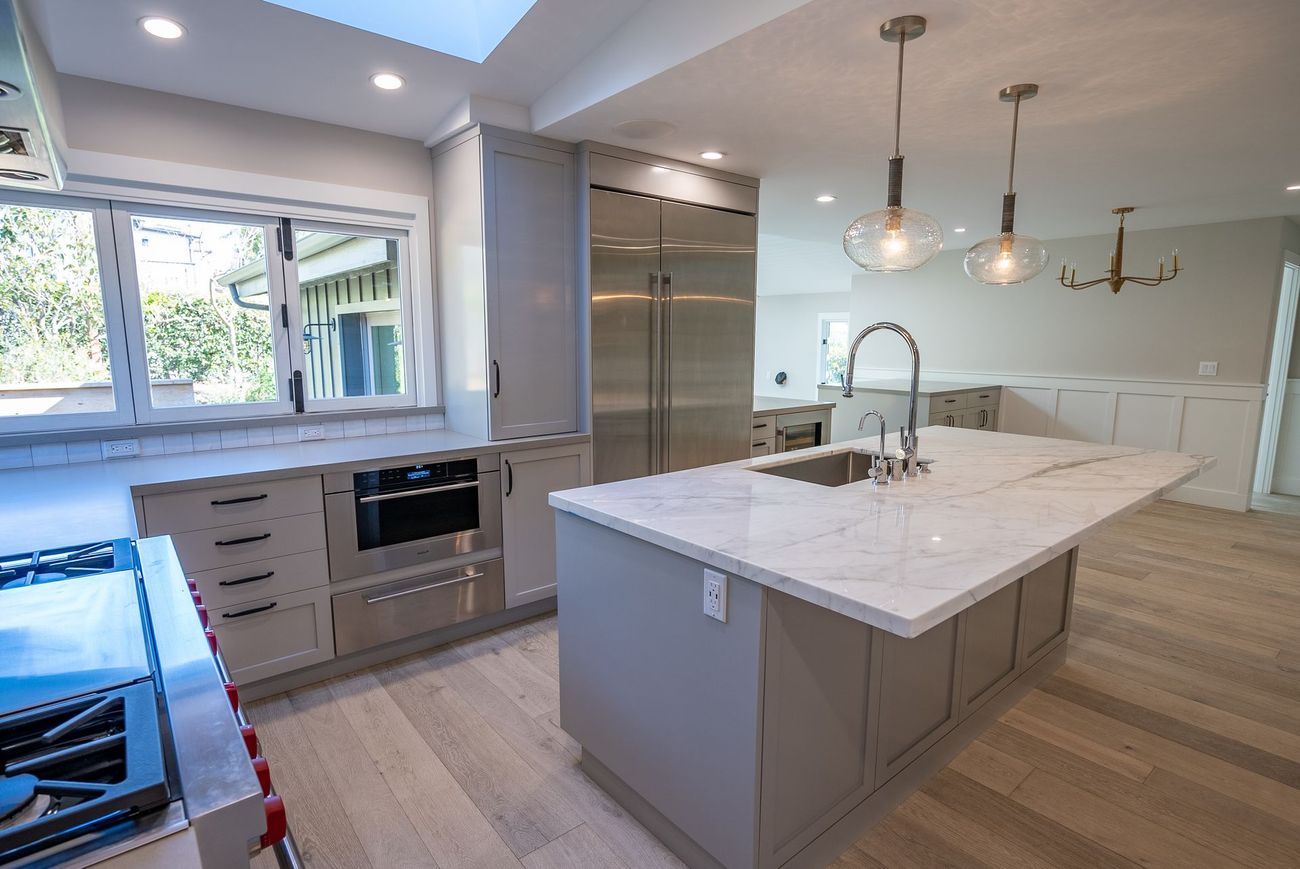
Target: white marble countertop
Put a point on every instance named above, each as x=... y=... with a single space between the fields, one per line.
x=902 y=557
x=903 y=385
x=61 y=505
x=765 y=405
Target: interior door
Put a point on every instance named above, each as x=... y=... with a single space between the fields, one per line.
x=624 y=345
x=709 y=275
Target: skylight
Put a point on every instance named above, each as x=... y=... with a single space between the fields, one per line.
x=469 y=29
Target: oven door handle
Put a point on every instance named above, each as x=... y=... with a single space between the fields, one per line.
x=383 y=597
x=409 y=493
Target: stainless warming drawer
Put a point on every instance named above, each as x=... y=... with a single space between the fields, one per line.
x=396 y=610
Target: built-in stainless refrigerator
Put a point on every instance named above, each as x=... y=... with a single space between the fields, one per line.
x=672 y=326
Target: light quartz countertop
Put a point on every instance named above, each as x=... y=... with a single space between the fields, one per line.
x=902 y=557
x=903 y=385
x=766 y=405
x=62 y=505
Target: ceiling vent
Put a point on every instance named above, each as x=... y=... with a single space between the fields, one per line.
x=28 y=157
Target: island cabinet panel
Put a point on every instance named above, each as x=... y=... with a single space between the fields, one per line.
x=919 y=680
x=1048 y=595
x=664 y=698
x=991 y=647
x=818 y=731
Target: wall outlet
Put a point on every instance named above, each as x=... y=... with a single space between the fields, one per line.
x=1209 y=369
x=123 y=449
x=311 y=433
x=715 y=595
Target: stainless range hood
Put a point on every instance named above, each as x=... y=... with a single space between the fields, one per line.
x=28 y=156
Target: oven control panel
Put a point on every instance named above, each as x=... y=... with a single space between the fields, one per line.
x=412 y=475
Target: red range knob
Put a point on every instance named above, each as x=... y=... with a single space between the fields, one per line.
x=212 y=639
x=203 y=614
x=233 y=694
x=249 y=734
x=193 y=586
x=277 y=824
x=198 y=598
x=263 y=771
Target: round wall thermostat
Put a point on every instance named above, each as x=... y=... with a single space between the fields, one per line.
x=781 y=378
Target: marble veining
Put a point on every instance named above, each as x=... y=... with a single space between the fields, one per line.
x=902 y=557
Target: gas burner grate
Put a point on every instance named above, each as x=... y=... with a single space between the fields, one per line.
x=88 y=762
x=68 y=562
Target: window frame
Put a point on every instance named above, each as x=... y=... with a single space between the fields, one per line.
x=298 y=356
x=824 y=322
x=110 y=291
x=137 y=347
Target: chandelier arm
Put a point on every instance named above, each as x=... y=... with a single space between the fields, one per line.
x=1074 y=286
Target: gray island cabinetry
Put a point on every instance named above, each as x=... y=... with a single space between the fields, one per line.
x=870 y=631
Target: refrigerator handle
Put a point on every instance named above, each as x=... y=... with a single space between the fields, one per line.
x=665 y=376
x=656 y=367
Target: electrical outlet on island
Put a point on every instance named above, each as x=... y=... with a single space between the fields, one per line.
x=715 y=595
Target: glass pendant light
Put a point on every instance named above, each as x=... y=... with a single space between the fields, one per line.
x=1008 y=258
x=895 y=239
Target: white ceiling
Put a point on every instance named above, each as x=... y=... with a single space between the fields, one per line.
x=1185 y=108
x=262 y=56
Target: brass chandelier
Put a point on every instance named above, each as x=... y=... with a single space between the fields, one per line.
x=1114 y=275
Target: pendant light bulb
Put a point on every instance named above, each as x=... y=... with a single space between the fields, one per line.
x=1008 y=258
x=894 y=238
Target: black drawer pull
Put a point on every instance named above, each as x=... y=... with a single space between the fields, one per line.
x=950 y=401
x=239 y=540
x=228 y=582
x=247 y=500
x=987 y=395
x=760 y=425
x=249 y=612
x=760 y=443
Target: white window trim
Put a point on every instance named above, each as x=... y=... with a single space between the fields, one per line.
x=136 y=343
x=161 y=182
x=123 y=412
x=409 y=342
x=823 y=321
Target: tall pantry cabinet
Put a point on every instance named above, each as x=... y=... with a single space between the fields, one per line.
x=504 y=230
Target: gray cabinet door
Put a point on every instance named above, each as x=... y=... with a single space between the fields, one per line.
x=531 y=287
x=709 y=272
x=1048 y=602
x=919 y=688
x=527 y=520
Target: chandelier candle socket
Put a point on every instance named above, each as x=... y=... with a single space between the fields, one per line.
x=1008 y=258
x=894 y=238
x=1114 y=277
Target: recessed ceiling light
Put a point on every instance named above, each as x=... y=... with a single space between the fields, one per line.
x=959 y=229
x=163 y=28
x=825 y=197
x=1293 y=187
x=711 y=155
x=387 y=81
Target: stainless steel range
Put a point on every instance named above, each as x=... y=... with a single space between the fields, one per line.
x=117 y=731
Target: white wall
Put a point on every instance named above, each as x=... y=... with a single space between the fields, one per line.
x=786 y=339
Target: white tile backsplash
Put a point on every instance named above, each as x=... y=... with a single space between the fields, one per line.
x=49 y=454
x=66 y=452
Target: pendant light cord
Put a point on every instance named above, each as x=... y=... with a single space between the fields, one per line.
x=898 y=100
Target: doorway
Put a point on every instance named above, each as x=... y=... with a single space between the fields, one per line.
x=1277 y=468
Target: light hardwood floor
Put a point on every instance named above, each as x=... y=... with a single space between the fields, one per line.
x=1171 y=737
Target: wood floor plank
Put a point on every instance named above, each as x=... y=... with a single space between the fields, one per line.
x=994 y=769
x=505 y=788
x=538 y=640
x=321 y=825
x=453 y=829
x=385 y=832
x=969 y=836
x=1102 y=822
x=579 y=848
x=899 y=841
x=1119 y=762
x=512 y=671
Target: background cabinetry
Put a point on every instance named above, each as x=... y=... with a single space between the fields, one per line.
x=504 y=228
x=527 y=520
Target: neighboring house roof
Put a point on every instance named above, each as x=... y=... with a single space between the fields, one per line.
x=320 y=256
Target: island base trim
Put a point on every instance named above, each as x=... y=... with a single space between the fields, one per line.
x=837 y=838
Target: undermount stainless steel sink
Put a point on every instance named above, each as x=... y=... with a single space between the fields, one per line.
x=834 y=469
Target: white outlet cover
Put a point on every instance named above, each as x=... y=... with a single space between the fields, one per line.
x=311 y=432
x=124 y=448
x=715 y=595
x=1208 y=369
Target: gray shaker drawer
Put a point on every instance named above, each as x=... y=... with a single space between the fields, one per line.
x=396 y=610
x=175 y=512
x=210 y=548
x=265 y=638
x=270 y=577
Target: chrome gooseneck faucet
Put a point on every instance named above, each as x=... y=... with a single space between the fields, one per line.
x=909 y=441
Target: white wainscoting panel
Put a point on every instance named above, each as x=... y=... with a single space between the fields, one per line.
x=1220 y=420
x=1286 y=466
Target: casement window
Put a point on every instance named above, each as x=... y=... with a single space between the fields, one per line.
x=833 y=347
x=176 y=314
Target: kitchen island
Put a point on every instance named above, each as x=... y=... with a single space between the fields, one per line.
x=870 y=631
